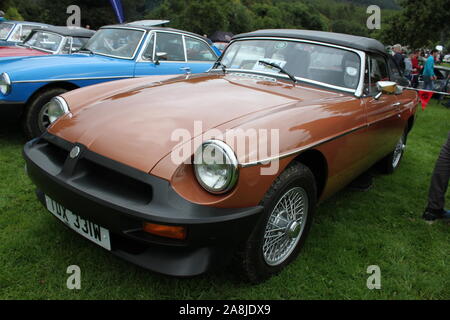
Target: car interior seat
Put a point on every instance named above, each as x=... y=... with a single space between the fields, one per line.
x=174 y=51
x=298 y=62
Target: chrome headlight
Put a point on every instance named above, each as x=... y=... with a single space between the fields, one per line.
x=56 y=108
x=216 y=166
x=5 y=84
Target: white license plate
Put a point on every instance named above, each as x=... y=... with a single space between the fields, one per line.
x=86 y=228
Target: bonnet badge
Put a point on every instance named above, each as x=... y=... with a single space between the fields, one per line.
x=74 y=152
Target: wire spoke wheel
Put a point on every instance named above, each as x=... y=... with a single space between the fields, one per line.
x=285 y=226
x=398 y=152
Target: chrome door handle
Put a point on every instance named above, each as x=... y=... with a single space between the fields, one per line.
x=396 y=104
x=186 y=69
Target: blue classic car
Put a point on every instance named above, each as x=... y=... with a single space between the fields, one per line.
x=14 y=32
x=51 y=40
x=115 y=52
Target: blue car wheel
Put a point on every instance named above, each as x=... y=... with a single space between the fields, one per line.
x=35 y=118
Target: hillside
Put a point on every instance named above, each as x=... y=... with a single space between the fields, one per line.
x=383 y=4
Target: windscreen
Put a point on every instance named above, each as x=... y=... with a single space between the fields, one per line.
x=114 y=42
x=319 y=63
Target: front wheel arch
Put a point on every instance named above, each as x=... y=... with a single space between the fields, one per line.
x=31 y=115
x=54 y=85
x=318 y=164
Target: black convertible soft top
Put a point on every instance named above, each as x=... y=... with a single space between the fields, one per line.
x=345 y=40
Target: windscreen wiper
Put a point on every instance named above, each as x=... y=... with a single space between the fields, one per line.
x=219 y=63
x=276 y=66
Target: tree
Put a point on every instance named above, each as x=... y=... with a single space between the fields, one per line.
x=13 y=14
x=267 y=16
x=419 y=24
x=349 y=27
x=299 y=15
x=240 y=18
x=205 y=17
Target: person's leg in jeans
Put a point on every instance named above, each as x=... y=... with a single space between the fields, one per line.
x=439 y=185
x=428 y=83
x=415 y=81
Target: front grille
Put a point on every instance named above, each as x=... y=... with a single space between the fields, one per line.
x=91 y=176
x=110 y=184
x=52 y=156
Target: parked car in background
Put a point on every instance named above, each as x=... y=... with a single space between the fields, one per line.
x=441 y=84
x=14 y=32
x=112 y=167
x=27 y=84
x=51 y=40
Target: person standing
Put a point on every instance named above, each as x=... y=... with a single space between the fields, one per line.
x=428 y=71
x=398 y=57
x=2 y=16
x=415 y=69
x=408 y=67
x=438 y=187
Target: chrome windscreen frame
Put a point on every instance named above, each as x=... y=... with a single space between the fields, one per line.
x=358 y=92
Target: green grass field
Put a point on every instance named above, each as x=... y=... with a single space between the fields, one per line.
x=351 y=231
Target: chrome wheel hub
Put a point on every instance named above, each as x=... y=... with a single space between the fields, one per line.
x=285 y=226
x=294 y=229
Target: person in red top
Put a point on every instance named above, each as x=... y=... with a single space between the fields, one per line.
x=415 y=69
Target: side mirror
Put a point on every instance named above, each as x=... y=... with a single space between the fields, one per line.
x=387 y=87
x=160 y=56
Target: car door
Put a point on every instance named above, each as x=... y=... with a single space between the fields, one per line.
x=383 y=117
x=200 y=56
x=163 y=54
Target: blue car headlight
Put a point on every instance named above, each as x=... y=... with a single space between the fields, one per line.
x=5 y=84
x=56 y=108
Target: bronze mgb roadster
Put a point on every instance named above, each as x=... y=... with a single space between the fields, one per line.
x=283 y=120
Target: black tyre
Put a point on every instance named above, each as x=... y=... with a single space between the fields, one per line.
x=392 y=161
x=281 y=231
x=35 y=120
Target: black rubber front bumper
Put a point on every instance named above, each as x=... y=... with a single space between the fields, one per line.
x=120 y=198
